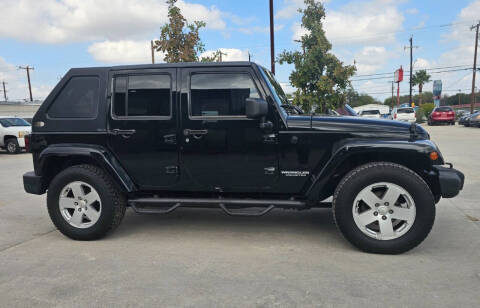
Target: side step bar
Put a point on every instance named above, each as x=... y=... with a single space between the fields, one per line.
x=157 y=205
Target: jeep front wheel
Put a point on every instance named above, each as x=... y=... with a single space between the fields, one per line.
x=84 y=204
x=12 y=147
x=384 y=208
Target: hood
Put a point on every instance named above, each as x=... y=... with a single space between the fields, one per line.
x=16 y=129
x=357 y=125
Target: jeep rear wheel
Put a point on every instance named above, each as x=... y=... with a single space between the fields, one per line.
x=12 y=147
x=84 y=204
x=384 y=208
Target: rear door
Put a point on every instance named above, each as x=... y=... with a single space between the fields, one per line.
x=143 y=126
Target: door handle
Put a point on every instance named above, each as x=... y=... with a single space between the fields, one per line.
x=270 y=139
x=125 y=133
x=195 y=132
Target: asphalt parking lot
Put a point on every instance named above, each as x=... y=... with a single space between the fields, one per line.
x=205 y=258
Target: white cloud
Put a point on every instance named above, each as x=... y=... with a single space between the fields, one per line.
x=124 y=51
x=421 y=63
x=289 y=9
x=363 y=22
x=57 y=21
x=298 y=31
x=370 y=59
x=230 y=54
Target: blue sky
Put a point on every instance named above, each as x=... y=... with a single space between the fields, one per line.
x=55 y=35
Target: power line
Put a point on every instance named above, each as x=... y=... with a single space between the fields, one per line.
x=427 y=69
x=446 y=71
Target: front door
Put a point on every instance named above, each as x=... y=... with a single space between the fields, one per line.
x=223 y=150
x=143 y=126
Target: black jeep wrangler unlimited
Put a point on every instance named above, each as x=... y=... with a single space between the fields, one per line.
x=157 y=137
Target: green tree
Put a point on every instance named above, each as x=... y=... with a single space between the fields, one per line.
x=427 y=108
x=420 y=78
x=320 y=78
x=355 y=99
x=426 y=96
x=179 y=40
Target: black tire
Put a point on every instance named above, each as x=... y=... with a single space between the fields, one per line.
x=12 y=147
x=359 y=178
x=429 y=123
x=112 y=199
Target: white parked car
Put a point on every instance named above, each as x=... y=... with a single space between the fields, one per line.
x=406 y=114
x=373 y=113
x=12 y=133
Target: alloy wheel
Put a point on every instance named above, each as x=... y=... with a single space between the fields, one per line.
x=80 y=204
x=384 y=211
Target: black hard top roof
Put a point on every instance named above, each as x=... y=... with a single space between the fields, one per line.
x=169 y=65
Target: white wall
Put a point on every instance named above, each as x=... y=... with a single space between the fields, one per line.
x=19 y=110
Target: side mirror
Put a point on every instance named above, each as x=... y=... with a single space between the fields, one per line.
x=256 y=108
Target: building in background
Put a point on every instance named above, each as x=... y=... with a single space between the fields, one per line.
x=19 y=108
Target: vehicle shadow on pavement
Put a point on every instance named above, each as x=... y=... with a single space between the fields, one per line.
x=314 y=226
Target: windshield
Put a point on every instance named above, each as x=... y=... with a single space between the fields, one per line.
x=370 y=112
x=7 y=122
x=405 y=110
x=277 y=91
x=443 y=109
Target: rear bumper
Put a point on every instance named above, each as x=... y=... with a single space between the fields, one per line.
x=451 y=181
x=444 y=120
x=33 y=184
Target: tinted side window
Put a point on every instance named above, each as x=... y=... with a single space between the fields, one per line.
x=220 y=94
x=142 y=95
x=78 y=99
x=120 y=96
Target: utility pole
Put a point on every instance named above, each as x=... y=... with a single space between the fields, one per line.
x=28 y=68
x=272 y=40
x=393 y=82
x=459 y=97
x=4 y=91
x=249 y=57
x=153 y=51
x=220 y=53
x=472 y=106
x=411 y=66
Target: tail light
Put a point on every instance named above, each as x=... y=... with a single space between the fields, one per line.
x=26 y=138
x=394 y=115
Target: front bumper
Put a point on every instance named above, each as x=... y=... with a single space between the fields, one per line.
x=21 y=142
x=451 y=181
x=33 y=184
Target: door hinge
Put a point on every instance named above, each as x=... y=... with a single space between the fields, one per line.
x=170 y=139
x=269 y=170
x=171 y=169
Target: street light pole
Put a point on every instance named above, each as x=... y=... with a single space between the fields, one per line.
x=472 y=106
